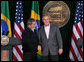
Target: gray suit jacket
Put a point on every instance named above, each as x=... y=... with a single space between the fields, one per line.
x=53 y=43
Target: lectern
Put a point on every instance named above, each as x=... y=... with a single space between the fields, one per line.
x=6 y=46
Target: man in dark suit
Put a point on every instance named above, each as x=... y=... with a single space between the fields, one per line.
x=50 y=41
x=30 y=41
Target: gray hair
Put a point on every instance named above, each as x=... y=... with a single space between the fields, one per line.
x=30 y=20
x=46 y=15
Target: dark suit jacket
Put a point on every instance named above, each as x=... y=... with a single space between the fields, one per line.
x=29 y=41
x=54 y=43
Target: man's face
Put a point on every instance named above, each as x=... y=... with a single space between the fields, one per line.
x=33 y=25
x=46 y=20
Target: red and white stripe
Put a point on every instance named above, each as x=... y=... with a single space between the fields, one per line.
x=76 y=53
x=17 y=50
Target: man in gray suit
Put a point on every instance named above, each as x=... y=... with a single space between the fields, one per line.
x=50 y=41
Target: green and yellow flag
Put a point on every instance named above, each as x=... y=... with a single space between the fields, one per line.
x=35 y=15
x=5 y=20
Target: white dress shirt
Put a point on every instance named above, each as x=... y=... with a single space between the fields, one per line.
x=47 y=29
x=33 y=29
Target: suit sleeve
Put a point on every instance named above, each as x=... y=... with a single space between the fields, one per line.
x=59 y=38
x=23 y=37
x=39 y=37
x=25 y=40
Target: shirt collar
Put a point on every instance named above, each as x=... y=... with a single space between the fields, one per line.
x=47 y=26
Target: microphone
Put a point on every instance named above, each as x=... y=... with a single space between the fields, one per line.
x=3 y=33
x=7 y=33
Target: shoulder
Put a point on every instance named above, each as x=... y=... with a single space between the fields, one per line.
x=40 y=28
x=25 y=30
x=54 y=25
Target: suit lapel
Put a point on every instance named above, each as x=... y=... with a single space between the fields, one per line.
x=50 y=32
x=44 y=34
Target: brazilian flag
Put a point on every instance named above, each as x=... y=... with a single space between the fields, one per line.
x=5 y=19
x=35 y=15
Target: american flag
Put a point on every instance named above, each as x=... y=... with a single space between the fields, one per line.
x=76 y=53
x=18 y=29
